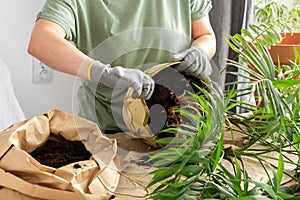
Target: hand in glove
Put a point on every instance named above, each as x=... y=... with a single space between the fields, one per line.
x=193 y=62
x=119 y=77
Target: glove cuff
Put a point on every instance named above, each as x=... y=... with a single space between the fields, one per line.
x=89 y=70
x=96 y=69
x=200 y=49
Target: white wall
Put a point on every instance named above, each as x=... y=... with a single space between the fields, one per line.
x=17 y=18
x=286 y=2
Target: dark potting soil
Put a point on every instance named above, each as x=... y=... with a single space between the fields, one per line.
x=60 y=153
x=169 y=102
x=169 y=87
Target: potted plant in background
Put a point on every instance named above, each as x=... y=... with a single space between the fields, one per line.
x=270 y=14
x=195 y=168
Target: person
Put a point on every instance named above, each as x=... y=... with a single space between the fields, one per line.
x=110 y=43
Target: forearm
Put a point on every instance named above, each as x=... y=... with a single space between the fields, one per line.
x=49 y=46
x=207 y=43
x=203 y=36
x=195 y=60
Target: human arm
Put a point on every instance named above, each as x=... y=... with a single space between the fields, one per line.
x=204 y=36
x=195 y=60
x=48 y=44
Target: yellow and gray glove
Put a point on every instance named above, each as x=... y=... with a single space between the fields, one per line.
x=193 y=62
x=120 y=77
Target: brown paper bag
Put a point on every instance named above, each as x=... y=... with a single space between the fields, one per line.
x=23 y=177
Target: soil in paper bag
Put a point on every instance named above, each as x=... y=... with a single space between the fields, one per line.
x=60 y=153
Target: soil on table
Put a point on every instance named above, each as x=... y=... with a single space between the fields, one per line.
x=60 y=153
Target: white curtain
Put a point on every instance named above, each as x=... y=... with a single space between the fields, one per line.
x=10 y=110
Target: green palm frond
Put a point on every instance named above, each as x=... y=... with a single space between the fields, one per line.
x=183 y=169
x=193 y=168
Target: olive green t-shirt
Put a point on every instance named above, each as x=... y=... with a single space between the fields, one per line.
x=127 y=33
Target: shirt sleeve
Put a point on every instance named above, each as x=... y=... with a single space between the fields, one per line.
x=200 y=8
x=61 y=12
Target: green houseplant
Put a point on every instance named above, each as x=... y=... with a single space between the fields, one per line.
x=270 y=14
x=274 y=15
x=194 y=168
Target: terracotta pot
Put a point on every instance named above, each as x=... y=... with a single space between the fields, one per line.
x=285 y=50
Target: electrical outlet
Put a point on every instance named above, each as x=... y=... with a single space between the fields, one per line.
x=41 y=73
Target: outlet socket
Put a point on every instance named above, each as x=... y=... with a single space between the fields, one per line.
x=41 y=73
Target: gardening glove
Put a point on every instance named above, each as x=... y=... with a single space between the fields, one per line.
x=193 y=62
x=120 y=77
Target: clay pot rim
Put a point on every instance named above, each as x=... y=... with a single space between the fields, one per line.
x=285 y=37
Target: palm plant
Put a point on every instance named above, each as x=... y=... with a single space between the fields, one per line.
x=270 y=14
x=195 y=168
